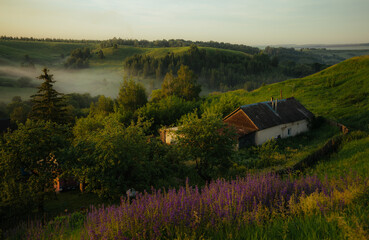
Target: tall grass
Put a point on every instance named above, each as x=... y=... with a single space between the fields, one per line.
x=255 y=207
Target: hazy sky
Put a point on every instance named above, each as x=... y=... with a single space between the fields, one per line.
x=251 y=22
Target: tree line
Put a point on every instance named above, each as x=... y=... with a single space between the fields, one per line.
x=214 y=68
x=48 y=39
x=178 y=43
x=220 y=69
x=144 y=43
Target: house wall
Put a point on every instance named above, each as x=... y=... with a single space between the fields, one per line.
x=281 y=131
x=169 y=135
x=241 y=122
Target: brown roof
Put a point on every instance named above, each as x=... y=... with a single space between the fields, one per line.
x=288 y=110
x=264 y=116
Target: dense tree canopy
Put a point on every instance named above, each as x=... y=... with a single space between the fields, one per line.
x=165 y=111
x=131 y=96
x=79 y=58
x=214 y=67
x=184 y=85
x=208 y=141
x=112 y=157
x=104 y=106
x=30 y=163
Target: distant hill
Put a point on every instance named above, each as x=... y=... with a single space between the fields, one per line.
x=225 y=68
x=309 y=55
x=12 y=52
x=340 y=92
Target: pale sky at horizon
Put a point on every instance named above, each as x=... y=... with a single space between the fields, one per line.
x=250 y=22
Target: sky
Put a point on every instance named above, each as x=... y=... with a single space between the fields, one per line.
x=250 y=22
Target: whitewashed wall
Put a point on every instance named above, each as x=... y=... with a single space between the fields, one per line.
x=171 y=135
x=282 y=131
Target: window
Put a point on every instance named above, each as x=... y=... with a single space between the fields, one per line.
x=289 y=132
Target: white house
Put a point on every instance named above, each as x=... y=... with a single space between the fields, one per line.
x=259 y=122
x=168 y=135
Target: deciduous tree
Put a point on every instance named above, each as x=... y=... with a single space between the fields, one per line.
x=208 y=141
x=184 y=85
x=29 y=164
x=131 y=95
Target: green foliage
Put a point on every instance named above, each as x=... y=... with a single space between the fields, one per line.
x=30 y=163
x=221 y=105
x=266 y=154
x=111 y=157
x=214 y=67
x=19 y=110
x=165 y=111
x=184 y=85
x=104 y=106
x=48 y=104
x=177 y=43
x=131 y=95
x=78 y=105
x=101 y=54
x=208 y=141
x=79 y=58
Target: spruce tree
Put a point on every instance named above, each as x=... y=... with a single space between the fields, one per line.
x=48 y=104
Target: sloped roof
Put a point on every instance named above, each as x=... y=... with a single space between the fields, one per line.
x=288 y=110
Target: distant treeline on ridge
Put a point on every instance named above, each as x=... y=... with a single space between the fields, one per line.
x=146 y=43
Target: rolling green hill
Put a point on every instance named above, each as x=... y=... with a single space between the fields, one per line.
x=340 y=92
x=13 y=52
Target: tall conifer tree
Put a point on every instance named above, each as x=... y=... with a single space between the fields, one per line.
x=48 y=104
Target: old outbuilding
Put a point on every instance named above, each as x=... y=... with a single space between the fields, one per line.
x=259 y=122
x=168 y=135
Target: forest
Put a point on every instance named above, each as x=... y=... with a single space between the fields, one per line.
x=221 y=70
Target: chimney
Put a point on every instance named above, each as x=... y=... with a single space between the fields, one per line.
x=272 y=102
x=275 y=105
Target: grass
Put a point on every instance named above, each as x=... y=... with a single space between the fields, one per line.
x=302 y=227
x=12 y=53
x=340 y=92
x=289 y=151
x=43 y=53
x=353 y=159
x=71 y=201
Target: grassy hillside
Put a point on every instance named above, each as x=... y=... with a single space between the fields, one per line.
x=340 y=92
x=352 y=159
x=115 y=57
x=12 y=52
